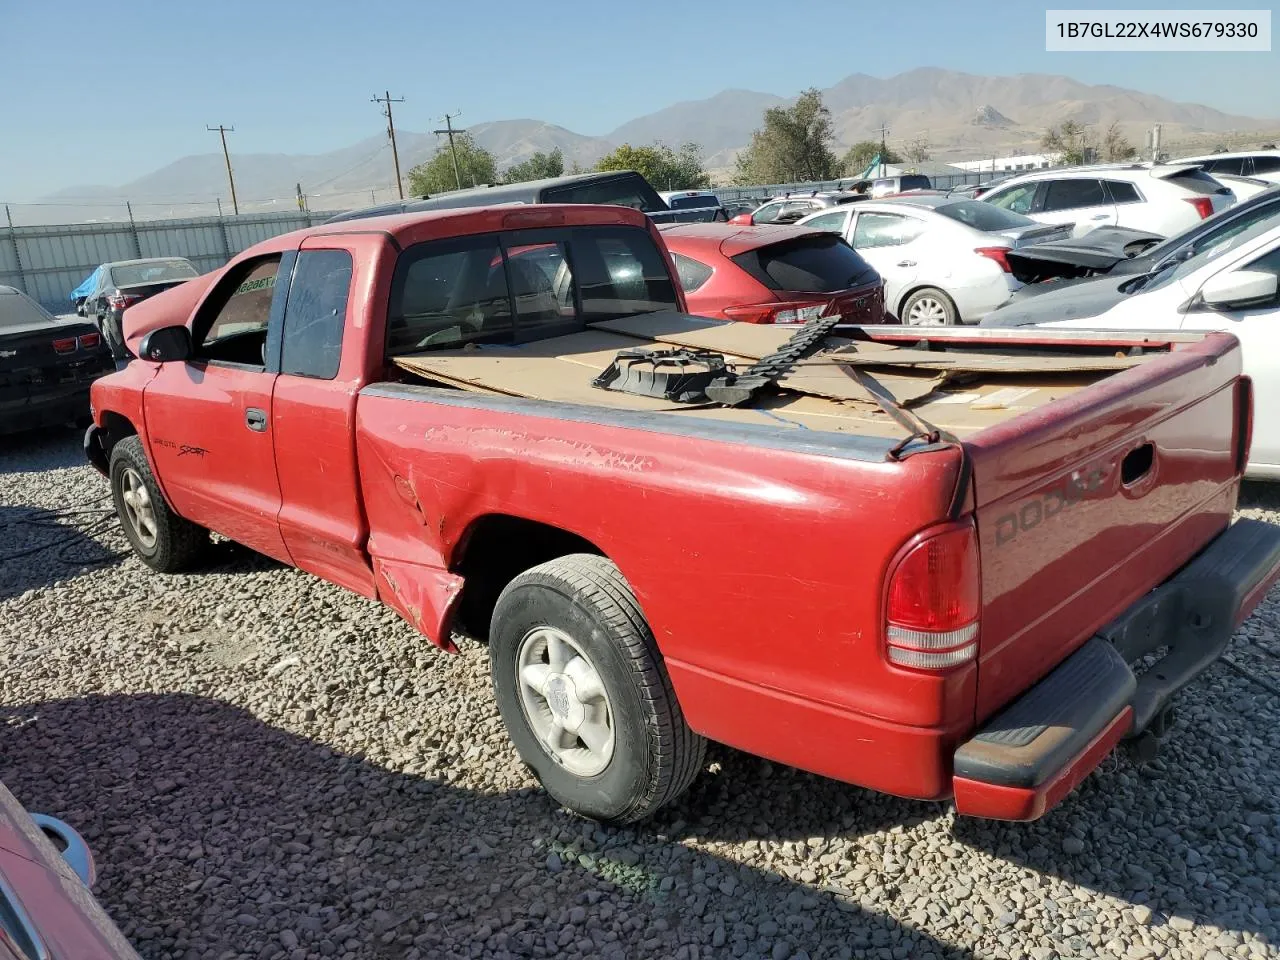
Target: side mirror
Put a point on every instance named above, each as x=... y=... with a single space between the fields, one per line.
x=743 y=220
x=166 y=344
x=1239 y=289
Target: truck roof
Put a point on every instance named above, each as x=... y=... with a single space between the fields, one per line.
x=410 y=228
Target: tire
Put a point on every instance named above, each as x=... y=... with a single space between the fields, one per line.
x=167 y=543
x=934 y=307
x=652 y=756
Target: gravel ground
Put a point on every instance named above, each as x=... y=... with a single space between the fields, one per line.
x=269 y=767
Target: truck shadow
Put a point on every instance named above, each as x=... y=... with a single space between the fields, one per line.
x=39 y=548
x=219 y=815
x=50 y=448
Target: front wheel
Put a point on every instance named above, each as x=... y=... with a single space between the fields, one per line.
x=584 y=693
x=930 y=307
x=162 y=540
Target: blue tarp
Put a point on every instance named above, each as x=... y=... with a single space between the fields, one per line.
x=84 y=288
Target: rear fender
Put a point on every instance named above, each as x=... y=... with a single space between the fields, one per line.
x=425 y=596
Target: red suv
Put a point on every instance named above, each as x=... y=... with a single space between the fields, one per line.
x=772 y=274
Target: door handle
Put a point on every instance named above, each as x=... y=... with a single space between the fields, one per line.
x=1101 y=216
x=256 y=419
x=906 y=263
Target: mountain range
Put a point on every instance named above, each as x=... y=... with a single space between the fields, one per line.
x=957 y=115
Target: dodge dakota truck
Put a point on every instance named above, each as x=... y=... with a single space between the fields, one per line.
x=950 y=565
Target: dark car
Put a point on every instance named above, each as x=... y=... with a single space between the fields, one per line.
x=888 y=186
x=46 y=365
x=125 y=282
x=623 y=188
x=1115 y=251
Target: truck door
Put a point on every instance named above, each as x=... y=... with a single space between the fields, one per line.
x=209 y=417
x=322 y=517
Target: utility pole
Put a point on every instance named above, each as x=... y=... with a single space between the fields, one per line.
x=883 y=131
x=222 y=132
x=448 y=124
x=386 y=100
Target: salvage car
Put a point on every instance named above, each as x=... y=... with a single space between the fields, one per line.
x=121 y=284
x=1159 y=198
x=46 y=365
x=790 y=207
x=944 y=260
x=1229 y=283
x=772 y=274
x=925 y=569
x=46 y=909
x=1262 y=164
x=626 y=188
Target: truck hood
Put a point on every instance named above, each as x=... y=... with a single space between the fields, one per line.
x=172 y=307
x=1070 y=301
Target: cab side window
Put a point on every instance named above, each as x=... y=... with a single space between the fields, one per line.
x=315 y=315
x=237 y=330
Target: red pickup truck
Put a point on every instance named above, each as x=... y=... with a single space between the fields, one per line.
x=936 y=567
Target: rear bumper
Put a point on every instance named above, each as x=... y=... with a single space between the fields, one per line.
x=58 y=406
x=1035 y=752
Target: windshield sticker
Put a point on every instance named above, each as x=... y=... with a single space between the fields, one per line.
x=250 y=286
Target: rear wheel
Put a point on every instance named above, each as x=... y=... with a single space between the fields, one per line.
x=162 y=540
x=930 y=307
x=584 y=693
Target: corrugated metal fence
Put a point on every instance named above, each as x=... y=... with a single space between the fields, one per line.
x=49 y=262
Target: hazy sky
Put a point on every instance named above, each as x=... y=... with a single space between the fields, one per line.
x=102 y=93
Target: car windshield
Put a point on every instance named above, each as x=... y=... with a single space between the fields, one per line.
x=1175 y=269
x=1190 y=242
x=17 y=310
x=986 y=217
x=163 y=271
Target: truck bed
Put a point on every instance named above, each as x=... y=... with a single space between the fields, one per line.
x=959 y=380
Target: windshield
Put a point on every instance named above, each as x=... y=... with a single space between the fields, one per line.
x=986 y=217
x=164 y=271
x=819 y=263
x=1192 y=241
x=17 y=310
x=1236 y=235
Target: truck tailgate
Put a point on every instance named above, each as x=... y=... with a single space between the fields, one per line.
x=1087 y=503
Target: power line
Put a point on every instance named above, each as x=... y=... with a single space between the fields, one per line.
x=222 y=132
x=448 y=124
x=391 y=132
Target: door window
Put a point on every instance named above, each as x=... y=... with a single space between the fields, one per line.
x=1072 y=194
x=237 y=332
x=1018 y=199
x=885 y=230
x=316 y=314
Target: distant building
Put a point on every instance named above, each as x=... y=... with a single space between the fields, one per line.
x=998 y=165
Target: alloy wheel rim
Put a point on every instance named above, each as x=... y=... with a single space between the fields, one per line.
x=138 y=509
x=927 y=312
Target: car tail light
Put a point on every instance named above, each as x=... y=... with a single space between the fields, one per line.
x=118 y=301
x=998 y=254
x=89 y=341
x=65 y=345
x=934 y=601
x=788 y=312
x=1203 y=205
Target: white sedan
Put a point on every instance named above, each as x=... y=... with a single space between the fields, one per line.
x=942 y=258
x=1230 y=285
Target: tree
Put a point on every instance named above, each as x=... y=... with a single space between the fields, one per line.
x=663 y=167
x=862 y=153
x=793 y=146
x=1073 y=142
x=537 y=167
x=1115 y=146
x=918 y=150
x=475 y=166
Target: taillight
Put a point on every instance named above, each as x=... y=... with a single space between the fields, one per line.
x=118 y=301
x=789 y=312
x=934 y=601
x=998 y=254
x=1203 y=205
x=89 y=341
x=65 y=345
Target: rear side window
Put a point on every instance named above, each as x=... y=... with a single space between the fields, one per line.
x=315 y=314
x=620 y=273
x=692 y=273
x=1070 y=194
x=1122 y=192
x=1266 y=165
x=446 y=293
x=885 y=230
x=819 y=263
